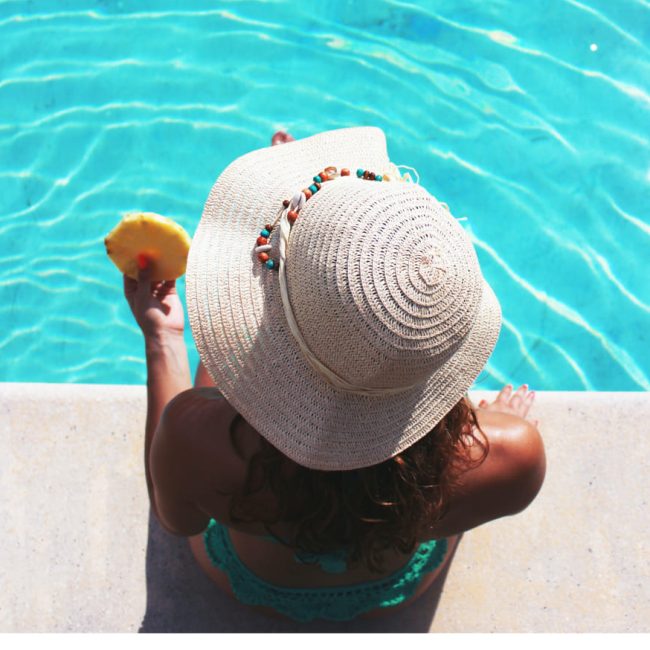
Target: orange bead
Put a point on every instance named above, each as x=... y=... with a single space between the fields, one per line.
x=324 y=177
x=263 y=257
x=262 y=240
x=307 y=193
x=345 y=172
x=292 y=216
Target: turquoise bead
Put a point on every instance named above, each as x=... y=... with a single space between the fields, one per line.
x=378 y=178
x=318 y=179
x=265 y=233
x=313 y=189
x=360 y=173
x=269 y=264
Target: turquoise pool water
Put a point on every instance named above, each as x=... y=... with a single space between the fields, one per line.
x=533 y=123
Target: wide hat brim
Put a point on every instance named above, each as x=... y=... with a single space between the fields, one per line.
x=243 y=339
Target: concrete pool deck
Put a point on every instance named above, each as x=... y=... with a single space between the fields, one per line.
x=80 y=552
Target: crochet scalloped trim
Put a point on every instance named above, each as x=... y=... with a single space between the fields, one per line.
x=330 y=603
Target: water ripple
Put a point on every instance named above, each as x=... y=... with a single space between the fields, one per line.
x=526 y=353
x=512 y=42
x=612 y=25
x=618 y=354
x=77 y=112
x=635 y=221
x=604 y=265
x=586 y=384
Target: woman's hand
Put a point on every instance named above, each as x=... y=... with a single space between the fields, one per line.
x=155 y=305
x=517 y=403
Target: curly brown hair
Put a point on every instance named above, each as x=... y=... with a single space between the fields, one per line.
x=367 y=510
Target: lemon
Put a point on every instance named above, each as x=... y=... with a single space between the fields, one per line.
x=145 y=235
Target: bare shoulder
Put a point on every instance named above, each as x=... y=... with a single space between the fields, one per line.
x=515 y=466
x=192 y=447
x=508 y=479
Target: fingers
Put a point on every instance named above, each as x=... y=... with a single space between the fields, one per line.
x=143 y=294
x=130 y=285
x=528 y=402
x=504 y=394
x=162 y=289
x=522 y=400
x=145 y=270
x=144 y=277
x=517 y=399
x=517 y=403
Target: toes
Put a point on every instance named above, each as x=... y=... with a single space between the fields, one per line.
x=281 y=137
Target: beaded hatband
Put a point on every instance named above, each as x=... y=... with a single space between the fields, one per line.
x=287 y=216
x=292 y=207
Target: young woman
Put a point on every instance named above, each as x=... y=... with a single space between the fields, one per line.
x=328 y=458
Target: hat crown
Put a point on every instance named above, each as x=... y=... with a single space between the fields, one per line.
x=384 y=283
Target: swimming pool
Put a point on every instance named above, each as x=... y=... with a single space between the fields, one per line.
x=532 y=124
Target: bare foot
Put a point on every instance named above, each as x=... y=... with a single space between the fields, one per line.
x=281 y=137
x=518 y=403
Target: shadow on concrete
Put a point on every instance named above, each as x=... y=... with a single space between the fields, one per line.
x=181 y=598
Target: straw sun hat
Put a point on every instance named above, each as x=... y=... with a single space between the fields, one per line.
x=385 y=320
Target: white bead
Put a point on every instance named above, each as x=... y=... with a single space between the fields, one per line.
x=263 y=248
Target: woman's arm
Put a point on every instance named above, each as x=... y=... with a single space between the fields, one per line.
x=512 y=474
x=159 y=313
x=168 y=374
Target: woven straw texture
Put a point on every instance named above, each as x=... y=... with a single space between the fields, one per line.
x=385 y=287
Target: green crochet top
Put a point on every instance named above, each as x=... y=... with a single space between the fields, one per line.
x=331 y=603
